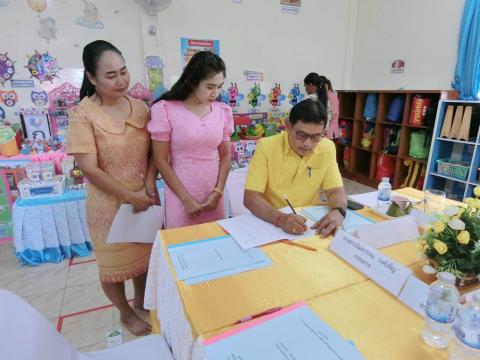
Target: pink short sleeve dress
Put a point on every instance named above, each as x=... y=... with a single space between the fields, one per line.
x=194 y=155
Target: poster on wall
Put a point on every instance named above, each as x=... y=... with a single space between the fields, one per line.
x=290 y=6
x=398 y=66
x=190 y=47
x=155 y=79
x=254 y=75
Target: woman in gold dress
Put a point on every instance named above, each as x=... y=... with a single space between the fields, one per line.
x=108 y=136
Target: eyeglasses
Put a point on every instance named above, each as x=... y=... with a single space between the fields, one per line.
x=302 y=136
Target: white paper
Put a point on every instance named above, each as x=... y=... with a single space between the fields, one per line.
x=367 y=199
x=139 y=227
x=389 y=232
x=370 y=198
x=250 y=231
x=235 y=189
x=386 y=272
x=414 y=295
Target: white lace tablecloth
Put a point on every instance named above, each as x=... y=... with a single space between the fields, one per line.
x=161 y=294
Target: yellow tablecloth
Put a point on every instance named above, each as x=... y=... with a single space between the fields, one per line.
x=379 y=324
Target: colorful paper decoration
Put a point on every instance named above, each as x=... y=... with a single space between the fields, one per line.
x=37 y=5
x=39 y=98
x=275 y=97
x=91 y=17
x=43 y=67
x=295 y=95
x=9 y=98
x=7 y=68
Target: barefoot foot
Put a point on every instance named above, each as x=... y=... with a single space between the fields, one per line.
x=135 y=325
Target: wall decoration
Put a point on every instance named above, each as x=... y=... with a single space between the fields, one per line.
x=7 y=68
x=138 y=91
x=291 y=6
x=3 y=115
x=48 y=29
x=91 y=16
x=35 y=124
x=21 y=83
x=254 y=75
x=62 y=99
x=234 y=96
x=37 y=5
x=4 y=3
x=275 y=97
x=155 y=81
x=398 y=66
x=255 y=97
x=189 y=47
x=9 y=98
x=39 y=98
x=295 y=95
x=43 y=67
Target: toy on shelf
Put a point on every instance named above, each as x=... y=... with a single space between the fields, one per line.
x=249 y=126
x=61 y=100
x=77 y=176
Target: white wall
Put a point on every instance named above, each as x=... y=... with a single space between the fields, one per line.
x=19 y=38
x=353 y=42
x=256 y=34
x=424 y=33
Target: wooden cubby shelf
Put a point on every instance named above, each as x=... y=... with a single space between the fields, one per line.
x=362 y=164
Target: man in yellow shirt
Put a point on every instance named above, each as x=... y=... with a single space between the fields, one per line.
x=297 y=165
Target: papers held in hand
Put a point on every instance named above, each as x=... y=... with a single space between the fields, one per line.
x=141 y=227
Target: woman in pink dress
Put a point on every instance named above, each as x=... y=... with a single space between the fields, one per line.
x=191 y=142
x=320 y=87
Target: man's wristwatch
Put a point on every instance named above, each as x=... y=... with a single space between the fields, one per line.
x=340 y=210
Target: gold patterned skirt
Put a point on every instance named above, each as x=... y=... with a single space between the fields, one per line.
x=116 y=262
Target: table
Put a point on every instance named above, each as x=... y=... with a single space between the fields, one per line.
x=379 y=324
x=51 y=229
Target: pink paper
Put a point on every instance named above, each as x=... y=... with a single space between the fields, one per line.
x=252 y=323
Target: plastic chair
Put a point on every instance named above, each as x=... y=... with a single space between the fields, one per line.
x=26 y=335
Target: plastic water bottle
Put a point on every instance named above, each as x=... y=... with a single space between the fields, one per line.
x=466 y=345
x=384 y=193
x=440 y=311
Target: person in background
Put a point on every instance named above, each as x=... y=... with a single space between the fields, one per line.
x=321 y=88
x=108 y=136
x=297 y=164
x=191 y=132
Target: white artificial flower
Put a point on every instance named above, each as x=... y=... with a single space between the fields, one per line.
x=427 y=269
x=456 y=224
x=451 y=211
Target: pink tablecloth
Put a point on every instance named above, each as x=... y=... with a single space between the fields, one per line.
x=56 y=156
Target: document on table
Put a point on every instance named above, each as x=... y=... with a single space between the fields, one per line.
x=208 y=259
x=352 y=220
x=295 y=332
x=250 y=231
x=141 y=227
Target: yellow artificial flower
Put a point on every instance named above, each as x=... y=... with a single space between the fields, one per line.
x=476 y=191
x=476 y=204
x=463 y=237
x=428 y=229
x=420 y=247
x=439 y=227
x=469 y=201
x=440 y=247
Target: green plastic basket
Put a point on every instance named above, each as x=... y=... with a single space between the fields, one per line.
x=454 y=168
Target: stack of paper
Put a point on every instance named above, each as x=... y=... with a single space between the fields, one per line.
x=352 y=221
x=209 y=259
x=295 y=332
x=250 y=231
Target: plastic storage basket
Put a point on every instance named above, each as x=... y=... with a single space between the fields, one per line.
x=454 y=168
x=44 y=188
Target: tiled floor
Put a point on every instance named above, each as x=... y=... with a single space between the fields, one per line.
x=70 y=296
